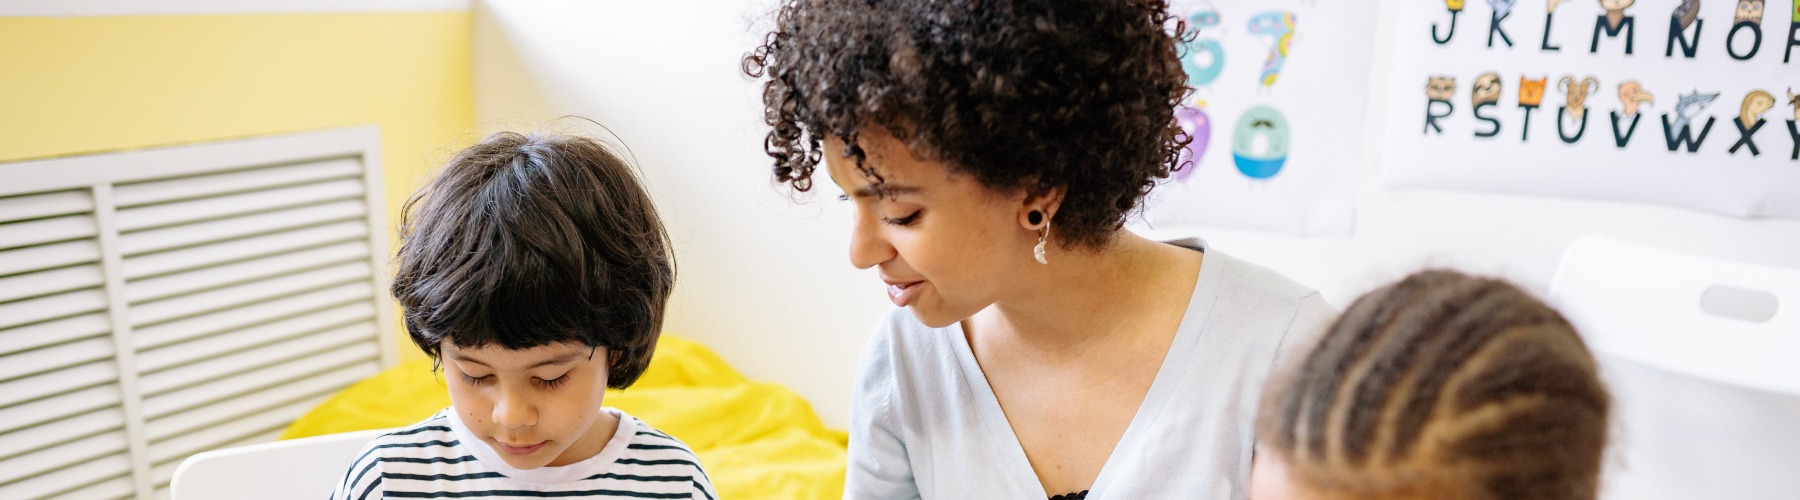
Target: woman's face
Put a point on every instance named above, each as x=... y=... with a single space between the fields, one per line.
x=944 y=244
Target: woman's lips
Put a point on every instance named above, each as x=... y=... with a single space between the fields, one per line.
x=520 y=450
x=903 y=294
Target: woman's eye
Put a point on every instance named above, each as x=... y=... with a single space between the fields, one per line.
x=902 y=221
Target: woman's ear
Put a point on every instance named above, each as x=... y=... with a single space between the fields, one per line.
x=1036 y=210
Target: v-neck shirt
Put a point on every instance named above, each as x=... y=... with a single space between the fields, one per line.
x=926 y=424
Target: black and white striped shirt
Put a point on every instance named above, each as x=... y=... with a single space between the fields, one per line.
x=439 y=458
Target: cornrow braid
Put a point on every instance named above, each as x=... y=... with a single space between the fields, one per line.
x=1444 y=386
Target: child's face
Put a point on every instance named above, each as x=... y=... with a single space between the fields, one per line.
x=944 y=243
x=535 y=407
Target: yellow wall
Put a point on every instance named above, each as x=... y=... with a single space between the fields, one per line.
x=92 y=84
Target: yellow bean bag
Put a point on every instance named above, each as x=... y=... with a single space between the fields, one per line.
x=756 y=439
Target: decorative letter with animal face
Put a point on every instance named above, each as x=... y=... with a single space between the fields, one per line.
x=1486 y=89
x=1577 y=93
x=1531 y=92
x=1632 y=94
x=1440 y=88
x=1750 y=11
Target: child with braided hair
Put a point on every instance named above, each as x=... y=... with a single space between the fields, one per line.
x=1442 y=386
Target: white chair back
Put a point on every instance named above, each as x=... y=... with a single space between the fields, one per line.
x=305 y=468
x=1703 y=360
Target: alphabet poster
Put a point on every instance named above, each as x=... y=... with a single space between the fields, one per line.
x=1690 y=103
x=1276 y=116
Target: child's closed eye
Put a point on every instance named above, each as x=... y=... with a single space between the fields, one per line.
x=477 y=380
x=551 y=383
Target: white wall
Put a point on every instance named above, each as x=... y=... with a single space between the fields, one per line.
x=765 y=281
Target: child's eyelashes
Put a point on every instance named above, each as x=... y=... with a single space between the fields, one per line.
x=551 y=383
x=543 y=383
x=477 y=380
x=902 y=221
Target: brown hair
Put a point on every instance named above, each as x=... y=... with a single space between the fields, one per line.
x=527 y=240
x=1443 y=386
x=1021 y=95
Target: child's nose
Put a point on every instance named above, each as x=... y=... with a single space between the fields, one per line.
x=867 y=248
x=513 y=412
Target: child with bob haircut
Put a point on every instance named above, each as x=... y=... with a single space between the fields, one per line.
x=1442 y=386
x=534 y=271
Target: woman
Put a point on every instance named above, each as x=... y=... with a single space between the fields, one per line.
x=993 y=150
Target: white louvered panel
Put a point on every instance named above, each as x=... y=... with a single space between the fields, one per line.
x=153 y=384
x=68 y=478
x=28 y=337
x=55 y=357
x=151 y=337
x=132 y=219
x=236 y=227
x=229 y=251
x=183 y=188
x=242 y=275
x=37 y=206
x=162 y=358
x=72 y=428
x=274 y=265
x=51 y=307
x=227 y=432
x=294 y=389
x=57 y=382
x=344 y=362
x=50 y=281
x=19 y=260
x=58 y=407
x=36 y=232
x=111 y=489
x=148 y=313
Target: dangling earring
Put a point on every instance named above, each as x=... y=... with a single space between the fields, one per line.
x=1043 y=235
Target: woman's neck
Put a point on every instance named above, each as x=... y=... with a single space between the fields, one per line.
x=1084 y=298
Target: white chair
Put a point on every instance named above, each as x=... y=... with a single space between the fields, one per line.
x=305 y=468
x=1703 y=360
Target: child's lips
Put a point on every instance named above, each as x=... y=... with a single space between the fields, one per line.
x=520 y=450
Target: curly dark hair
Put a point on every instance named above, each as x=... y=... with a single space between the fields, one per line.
x=1022 y=94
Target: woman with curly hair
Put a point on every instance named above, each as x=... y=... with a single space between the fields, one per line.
x=993 y=150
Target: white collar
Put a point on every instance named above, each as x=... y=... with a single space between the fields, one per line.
x=596 y=464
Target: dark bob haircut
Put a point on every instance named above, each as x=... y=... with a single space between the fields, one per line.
x=527 y=240
x=1021 y=94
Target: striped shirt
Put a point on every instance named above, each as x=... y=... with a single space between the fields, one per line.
x=439 y=458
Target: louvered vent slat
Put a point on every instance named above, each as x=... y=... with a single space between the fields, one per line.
x=87 y=424
x=152 y=312
x=158 y=303
x=200 y=279
x=35 y=232
x=62 y=455
x=35 y=258
x=193 y=373
x=236 y=227
x=112 y=489
x=33 y=336
x=59 y=356
x=185 y=188
x=20 y=390
x=58 y=407
x=151 y=337
x=50 y=281
x=159 y=359
x=68 y=478
x=61 y=305
x=230 y=251
x=149 y=216
x=37 y=206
